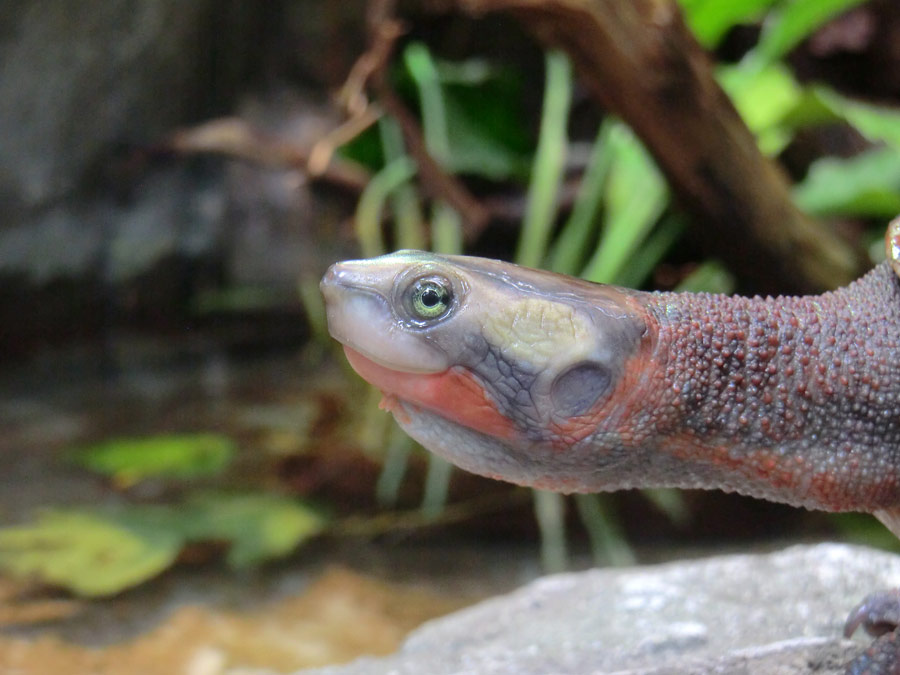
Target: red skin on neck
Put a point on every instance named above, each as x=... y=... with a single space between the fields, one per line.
x=455 y=394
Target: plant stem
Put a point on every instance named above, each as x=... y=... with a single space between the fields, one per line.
x=549 y=161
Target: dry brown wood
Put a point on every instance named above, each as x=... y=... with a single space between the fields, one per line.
x=371 y=72
x=236 y=138
x=640 y=61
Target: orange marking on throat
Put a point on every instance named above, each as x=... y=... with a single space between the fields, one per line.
x=614 y=411
x=455 y=394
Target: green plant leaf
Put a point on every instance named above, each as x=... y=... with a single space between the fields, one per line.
x=763 y=97
x=95 y=552
x=474 y=148
x=634 y=198
x=409 y=223
x=470 y=118
x=372 y=201
x=861 y=528
x=709 y=277
x=571 y=246
x=424 y=72
x=655 y=246
x=130 y=460
x=867 y=185
x=259 y=526
x=877 y=123
x=711 y=19
x=549 y=161
x=791 y=23
x=86 y=552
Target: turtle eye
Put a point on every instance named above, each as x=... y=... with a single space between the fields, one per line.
x=430 y=298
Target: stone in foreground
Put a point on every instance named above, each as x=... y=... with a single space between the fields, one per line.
x=780 y=613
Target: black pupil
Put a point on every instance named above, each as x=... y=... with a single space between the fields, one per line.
x=431 y=297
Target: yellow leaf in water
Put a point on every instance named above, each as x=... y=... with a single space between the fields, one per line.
x=85 y=552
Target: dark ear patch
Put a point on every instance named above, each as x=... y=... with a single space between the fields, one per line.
x=577 y=389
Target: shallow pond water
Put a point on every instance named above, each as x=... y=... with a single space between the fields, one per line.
x=333 y=600
x=358 y=590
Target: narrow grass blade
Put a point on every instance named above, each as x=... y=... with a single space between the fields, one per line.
x=549 y=161
x=550 y=512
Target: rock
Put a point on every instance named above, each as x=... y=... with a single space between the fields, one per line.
x=778 y=613
x=78 y=77
x=99 y=228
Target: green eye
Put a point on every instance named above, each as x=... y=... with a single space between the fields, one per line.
x=430 y=298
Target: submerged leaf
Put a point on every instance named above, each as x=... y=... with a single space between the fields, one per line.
x=105 y=551
x=130 y=460
x=86 y=552
x=259 y=526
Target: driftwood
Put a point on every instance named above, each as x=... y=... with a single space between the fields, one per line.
x=640 y=61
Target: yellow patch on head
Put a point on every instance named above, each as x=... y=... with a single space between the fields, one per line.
x=535 y=331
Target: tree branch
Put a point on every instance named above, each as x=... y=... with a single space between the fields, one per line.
x=641 y=62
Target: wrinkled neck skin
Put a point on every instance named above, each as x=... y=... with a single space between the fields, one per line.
x=792 y=399
x=559 y=384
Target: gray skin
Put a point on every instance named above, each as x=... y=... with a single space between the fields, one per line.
x=530 y=387
x=792 y=399
x=599 y=388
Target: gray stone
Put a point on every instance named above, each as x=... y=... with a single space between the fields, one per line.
x=75 y=77
x=77 y=80
x=775 y=613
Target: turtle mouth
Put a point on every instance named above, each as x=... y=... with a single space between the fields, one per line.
x=360 y=317
x=454 y=394
x=377 y=372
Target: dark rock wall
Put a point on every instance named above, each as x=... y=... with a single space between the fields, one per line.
x=96 y=229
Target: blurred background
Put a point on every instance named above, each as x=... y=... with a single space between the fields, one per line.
x=192 y=479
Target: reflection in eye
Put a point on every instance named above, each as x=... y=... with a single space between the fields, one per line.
x=430 y=299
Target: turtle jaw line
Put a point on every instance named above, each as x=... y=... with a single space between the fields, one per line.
x=356 y=354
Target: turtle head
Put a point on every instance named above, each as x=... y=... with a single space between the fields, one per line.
x=500 y=369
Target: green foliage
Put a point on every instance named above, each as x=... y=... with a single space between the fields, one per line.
x=634 y=198
x=614 y=234
x=549 y=162
x=97 y=552
x=102 y=551
x=786 y=22
x=622 y=222
x=710 y=20
x=821 y=105
x=85 y=552
x=865 y=185
x=775 y=106
x=709 y=277
x=863 y=529
x=182 y=456
x=764 y=97
x=372 y=202
x=792 y=21
x=470 y=115
x=572 y=246
x=259 y=526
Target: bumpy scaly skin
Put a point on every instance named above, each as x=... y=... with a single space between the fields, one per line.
x=556 y=383
x=795 y=399
x=552 y=382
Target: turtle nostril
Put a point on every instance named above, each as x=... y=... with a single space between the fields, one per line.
x=332 y=278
